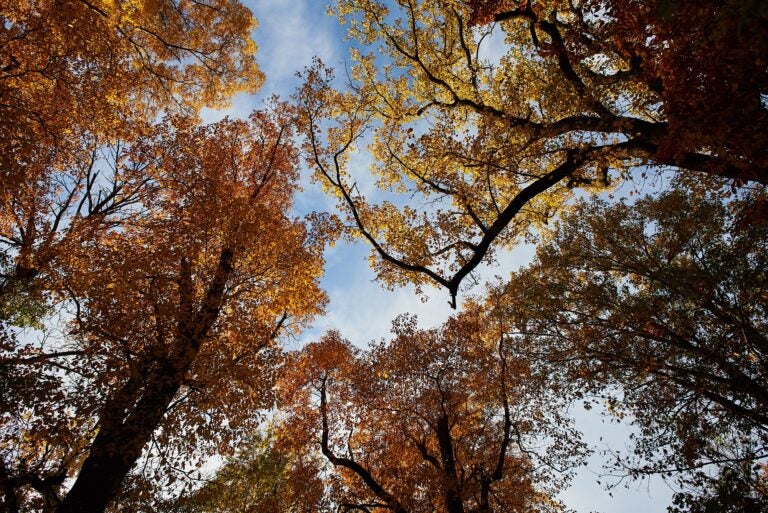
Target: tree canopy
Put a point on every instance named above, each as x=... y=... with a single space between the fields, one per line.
x=435 y=420
x=704 y=61
x=490 y=146
x=151 y=265
x=264 y=475
x=97 y=67
x=660 y=306
x=171 y=318
x=78 y=76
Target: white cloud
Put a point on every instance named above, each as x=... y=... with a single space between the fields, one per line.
x=494 y=47
x=289 y=35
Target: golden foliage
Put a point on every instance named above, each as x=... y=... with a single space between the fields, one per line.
x=483 y=130
x=75 y=67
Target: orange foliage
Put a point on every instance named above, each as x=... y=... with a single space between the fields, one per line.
x=78 y=75
x=444 y=420
x=74 y=69
x=175 y=309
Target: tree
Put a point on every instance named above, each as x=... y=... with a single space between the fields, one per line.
x=83 y=66
x=61 y=207
x=170 y=350
x=442 y=420
x=42 y=221
x=659 y=305
x=733 y=491
x=706 y=62
x=262 y=476
x=486 y=148
x=77 y=76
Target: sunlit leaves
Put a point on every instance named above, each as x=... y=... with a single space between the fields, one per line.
x=482 y=116
x=104 y=69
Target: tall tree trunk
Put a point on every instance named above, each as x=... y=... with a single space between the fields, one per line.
x=452 y=495
x=131 y=416
x=121 y=439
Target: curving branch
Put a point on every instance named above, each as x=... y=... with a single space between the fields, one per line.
x=363 y=473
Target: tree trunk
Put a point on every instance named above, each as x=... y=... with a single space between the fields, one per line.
x=121 y=440
x=134 y=412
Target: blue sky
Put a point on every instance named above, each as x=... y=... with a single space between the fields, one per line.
x=289 y=35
